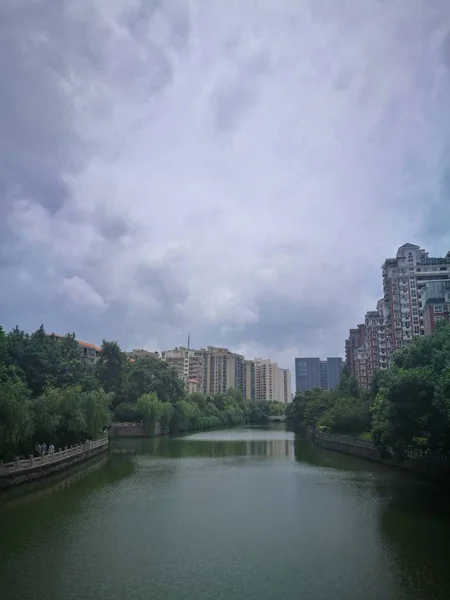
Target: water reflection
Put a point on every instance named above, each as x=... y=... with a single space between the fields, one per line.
x=415 y=524
x=275 y=517
x=187 y=446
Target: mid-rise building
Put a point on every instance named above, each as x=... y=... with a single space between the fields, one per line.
x=312 y=373
x=90 y=353
x=404 y=277
x=435 y=298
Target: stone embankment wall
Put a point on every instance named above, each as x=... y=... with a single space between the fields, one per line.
x=417 y=461
x=33 y=468
x=133 y=430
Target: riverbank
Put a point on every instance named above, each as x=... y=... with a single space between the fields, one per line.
x=416 y=461
x=138 y=430
x=34 y=468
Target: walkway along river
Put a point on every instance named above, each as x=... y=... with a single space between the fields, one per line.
x=248 y=514
x=36 y=467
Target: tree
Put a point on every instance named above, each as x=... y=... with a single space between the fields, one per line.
x=110 y=370
x=16 y=417
x=152 y=375
x=151 y=410
x=97 y=413
x=404 y=409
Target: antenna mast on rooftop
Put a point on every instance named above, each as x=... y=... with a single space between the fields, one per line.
x=189 y=341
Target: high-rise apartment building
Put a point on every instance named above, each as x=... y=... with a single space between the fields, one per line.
x=214 y=370
x=404 y=277
x=415 y=289
x=354 y=341
x=287 y=386
x=271 y=382
x=373 y=354
x=249 y=380
x=223 y=370
x=188 y=365
x=311 y=373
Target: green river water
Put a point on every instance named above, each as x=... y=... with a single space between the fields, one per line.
x=247 y=513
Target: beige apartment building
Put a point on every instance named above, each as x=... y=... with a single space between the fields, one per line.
x=215 y=370
x=223 y=370
x=271 y=382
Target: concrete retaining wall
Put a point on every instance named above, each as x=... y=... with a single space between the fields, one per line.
x=133 y=430
x=35 y=469
x=434 y=468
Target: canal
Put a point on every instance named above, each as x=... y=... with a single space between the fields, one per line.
x=248 y=514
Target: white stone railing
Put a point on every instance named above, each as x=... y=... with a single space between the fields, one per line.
x=51 y=458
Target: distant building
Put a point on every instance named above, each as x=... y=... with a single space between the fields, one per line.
x=193 y=385
x=354 y=341
x=271 y=382
x=249 y=380
x=334 y=370
x=436 y=304
x=89 y=352
x=188 y=364
x=141 y=353
x=312 y=373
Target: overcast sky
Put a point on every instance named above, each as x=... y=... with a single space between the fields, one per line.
x=238 y=169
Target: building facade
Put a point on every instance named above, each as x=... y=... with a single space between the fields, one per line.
x=189 y=365
x=90 y=353
x=249 y=380
x=271 y=382
x=373 y=354
x=354 y=341
x=313 y=373
x=435 y=299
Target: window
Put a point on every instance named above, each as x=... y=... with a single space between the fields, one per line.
x=438 y=319
x=438 y=308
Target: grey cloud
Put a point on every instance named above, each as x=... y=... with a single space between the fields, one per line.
x=105 y=113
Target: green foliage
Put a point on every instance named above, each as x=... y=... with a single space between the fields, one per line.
x=16 y=417
x=152 y=375
x=347 y=415
x=48 y=392
x=151 y=410
x=412 y=399
x=127 y=412
x=342 y=411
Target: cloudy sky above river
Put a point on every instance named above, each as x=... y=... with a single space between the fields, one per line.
x=236 y=169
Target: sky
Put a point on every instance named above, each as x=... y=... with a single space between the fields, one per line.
x=234 y=169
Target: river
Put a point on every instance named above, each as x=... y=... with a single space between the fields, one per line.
x=247 y=513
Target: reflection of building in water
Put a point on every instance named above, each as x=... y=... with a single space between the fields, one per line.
x=274 y=448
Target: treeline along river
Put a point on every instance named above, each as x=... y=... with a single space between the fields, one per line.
x=248 y=513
